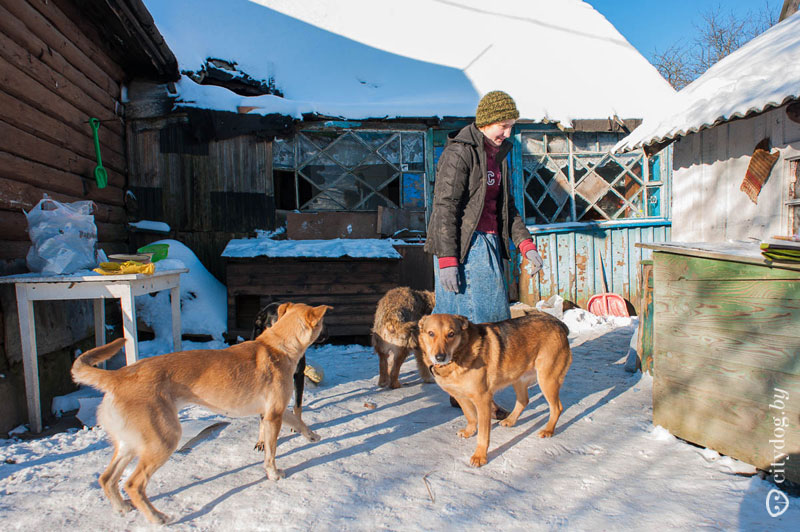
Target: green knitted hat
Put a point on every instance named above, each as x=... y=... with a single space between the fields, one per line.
x=496 y=106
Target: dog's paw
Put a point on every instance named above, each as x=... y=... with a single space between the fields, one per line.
x=466 y=433
x=477 y=460
x=159 y=518
x=395 y=385
x=382 y=383
x=275 y=474
x=544 y=433
x=508 y=422
x=125 y=507
x=259 y=446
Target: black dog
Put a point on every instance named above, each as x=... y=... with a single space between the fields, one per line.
x=267 y=317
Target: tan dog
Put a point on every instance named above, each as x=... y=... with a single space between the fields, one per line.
x=394 y=332
x=472 y=361
x=141 y=403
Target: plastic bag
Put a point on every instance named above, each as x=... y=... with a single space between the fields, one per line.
x=553 y=306
x=64 y=237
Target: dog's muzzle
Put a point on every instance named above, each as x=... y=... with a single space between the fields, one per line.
x=440 y=358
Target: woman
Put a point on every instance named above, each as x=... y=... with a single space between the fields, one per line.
x=474 y=216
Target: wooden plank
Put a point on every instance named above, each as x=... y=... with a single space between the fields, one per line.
x=14 y=226
x=725 y=423
x=673 y=267
x=302 y=279
x=738 y=291
x=416 y=267
x=16 y=196
x=772 y=316
x=616 y=263
x=718 y=376
x=13 y=249
x=294 y=291
x=328 y=225
x=42 y=125
x=262 y=266
x=751 y=349
x=24 y=144
x=77 y=90
x=566 y=274
x=48 y=178
x=57 y=97
x=546 y=280
x=50 y=37
x=583 y=272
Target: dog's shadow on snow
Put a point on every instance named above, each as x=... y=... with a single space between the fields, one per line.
x=377 y=434
x=594 y=369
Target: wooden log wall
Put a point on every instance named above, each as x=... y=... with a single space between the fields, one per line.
x=53 y=78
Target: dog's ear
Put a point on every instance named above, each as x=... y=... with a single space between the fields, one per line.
x=282 y=309
x=319 y=312
x=421 y=323
x=463 y=321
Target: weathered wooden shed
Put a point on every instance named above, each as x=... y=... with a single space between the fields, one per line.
x=62 y=62
x=725 y=352
x=373 y=107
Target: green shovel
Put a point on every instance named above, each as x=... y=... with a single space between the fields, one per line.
x=100 y=174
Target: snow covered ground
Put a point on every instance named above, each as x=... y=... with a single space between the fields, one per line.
x=390 y=459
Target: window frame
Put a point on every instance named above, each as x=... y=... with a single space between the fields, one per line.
x=654 y=182
x=402 y=168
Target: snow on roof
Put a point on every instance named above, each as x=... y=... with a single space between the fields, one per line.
x=761 y=74
x=338 y=247
x=559 y=59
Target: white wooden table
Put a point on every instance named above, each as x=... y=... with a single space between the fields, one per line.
x=32 y=288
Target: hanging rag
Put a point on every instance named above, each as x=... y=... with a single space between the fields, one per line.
x=758 y=170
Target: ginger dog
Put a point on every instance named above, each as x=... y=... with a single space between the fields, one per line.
x=472 y=361
x=141 y=403
x=394 y=332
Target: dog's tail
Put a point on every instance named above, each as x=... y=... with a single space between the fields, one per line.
x=83 y=370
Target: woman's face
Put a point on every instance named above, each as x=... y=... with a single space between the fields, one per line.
x=498 y=132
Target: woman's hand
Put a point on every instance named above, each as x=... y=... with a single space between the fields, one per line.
x=448 y=278
x=535 y=259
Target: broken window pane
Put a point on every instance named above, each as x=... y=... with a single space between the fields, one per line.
x=584 y=141
x=413 y=152
x=348 y=150
x=532 y=143
x=557 y=144
x=283 y=153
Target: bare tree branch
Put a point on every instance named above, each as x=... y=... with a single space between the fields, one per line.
x=718 y=34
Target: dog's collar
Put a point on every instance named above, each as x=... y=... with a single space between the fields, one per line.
x=432 y=366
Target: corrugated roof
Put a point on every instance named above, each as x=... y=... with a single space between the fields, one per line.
x=762 y=74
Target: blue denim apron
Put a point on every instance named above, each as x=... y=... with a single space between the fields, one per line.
x=482 y=295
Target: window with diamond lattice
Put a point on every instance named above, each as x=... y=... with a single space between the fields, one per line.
x=575 y=177
x=354 y=170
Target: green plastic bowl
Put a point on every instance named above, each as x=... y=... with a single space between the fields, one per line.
x=159 y=251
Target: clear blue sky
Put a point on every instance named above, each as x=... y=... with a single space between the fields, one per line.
x=651 y=24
